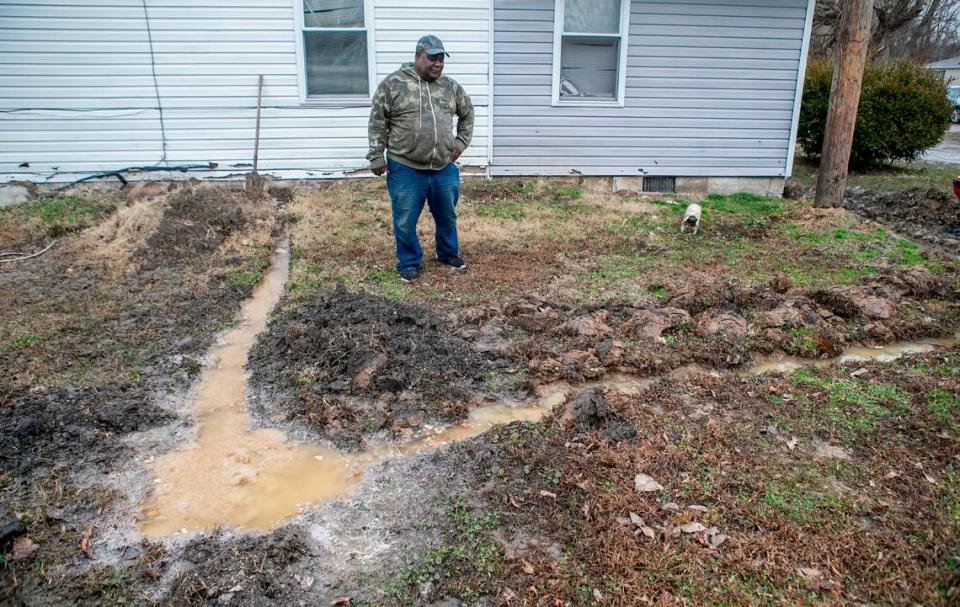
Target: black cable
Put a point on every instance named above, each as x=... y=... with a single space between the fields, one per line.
x=118 y=173
x=156 y=86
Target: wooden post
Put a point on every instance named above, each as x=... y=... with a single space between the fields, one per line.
x=256 y=137
x=844 y=97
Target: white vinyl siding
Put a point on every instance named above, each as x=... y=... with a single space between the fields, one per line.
x=77 y=93
x=710 y=91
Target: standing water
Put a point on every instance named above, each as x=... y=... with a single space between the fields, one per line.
x=254 y=479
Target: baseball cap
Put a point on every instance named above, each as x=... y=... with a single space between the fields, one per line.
x=431 y=45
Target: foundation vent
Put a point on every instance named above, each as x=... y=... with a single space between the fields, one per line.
x=659 y=184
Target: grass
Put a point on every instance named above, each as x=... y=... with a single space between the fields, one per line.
x=464 y=564
x=62 y=214
x=899 y=176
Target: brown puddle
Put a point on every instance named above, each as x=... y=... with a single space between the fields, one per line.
x=857 y=354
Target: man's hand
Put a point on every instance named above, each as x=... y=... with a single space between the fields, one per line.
x=379 y=171
x=456 y=154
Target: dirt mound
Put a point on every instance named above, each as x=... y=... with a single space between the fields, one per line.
x=196 y=221
x=928 y=215
x=590 y=411
x=248 y=567
x=327 y=356
x=65 y=426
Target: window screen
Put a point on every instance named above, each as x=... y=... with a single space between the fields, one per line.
x=590 y=50
x=335 y=48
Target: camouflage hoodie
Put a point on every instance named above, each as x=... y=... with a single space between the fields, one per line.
x=412 y=120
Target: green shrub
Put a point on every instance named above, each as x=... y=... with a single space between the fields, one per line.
x=903 y=111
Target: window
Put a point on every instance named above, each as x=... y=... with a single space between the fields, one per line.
x=590 y=52
x=336 y=50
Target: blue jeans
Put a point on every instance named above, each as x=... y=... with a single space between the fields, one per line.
x=409 y=188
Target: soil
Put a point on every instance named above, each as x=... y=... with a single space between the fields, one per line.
x=101 y=330
x=350 y=364
x=926 y=215
x=195 y=222
x=835 y=485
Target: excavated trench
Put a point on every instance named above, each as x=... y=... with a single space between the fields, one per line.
x=233 y=476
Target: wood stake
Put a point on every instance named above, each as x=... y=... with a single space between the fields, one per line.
x=844 y=97
x=256 y=139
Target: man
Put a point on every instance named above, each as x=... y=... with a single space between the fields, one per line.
x=412 y=120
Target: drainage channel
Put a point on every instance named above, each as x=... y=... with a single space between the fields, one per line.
x=254 y=479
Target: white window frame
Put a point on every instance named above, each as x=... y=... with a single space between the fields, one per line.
x=558 y=35
x=336 y=100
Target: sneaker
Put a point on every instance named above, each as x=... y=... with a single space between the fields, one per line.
x=454 y=262
x=408 y=275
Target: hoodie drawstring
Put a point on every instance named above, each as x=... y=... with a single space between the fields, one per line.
x=419 y=102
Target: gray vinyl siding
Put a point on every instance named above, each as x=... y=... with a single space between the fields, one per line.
x=710 y=90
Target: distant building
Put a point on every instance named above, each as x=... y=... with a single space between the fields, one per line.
x=948 y=68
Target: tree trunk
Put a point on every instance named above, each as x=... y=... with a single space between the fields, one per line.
x=844 y=97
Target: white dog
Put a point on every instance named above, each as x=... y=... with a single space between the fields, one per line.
x=691 y=218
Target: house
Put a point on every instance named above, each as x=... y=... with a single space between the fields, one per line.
x=949 y=69
x=685 y=94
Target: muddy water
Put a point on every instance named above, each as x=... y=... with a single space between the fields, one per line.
x=254 y=479
x=858 y=354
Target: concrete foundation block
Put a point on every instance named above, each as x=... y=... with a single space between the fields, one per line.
x=695 y=187
x=761 y=186
x=629 y=183
x=596 y=185
x=11 y=194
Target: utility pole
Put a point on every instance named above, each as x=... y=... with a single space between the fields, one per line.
x=844 y=97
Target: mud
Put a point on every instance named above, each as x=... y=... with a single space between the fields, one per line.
x=722 y=324
x=95 y=340
x=590 y=411
x=930 y=216
x=71 y=427
x=350 y=364
x=196 y=221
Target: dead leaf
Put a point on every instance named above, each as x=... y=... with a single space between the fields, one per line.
x=693 y=527
x=929 y=478
x=552 y=496
x=527 y=567
x=792 y=443
x=645 y=484
x=859 y=372
x=671 y=506
x=697 y=508
x=718 y=539
x=597 y=595
x=23 y=547
x=85 y=543
x=649 y=532
x=513 y=502
x=809 y=572
x=635 y=519
x=892 y=474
